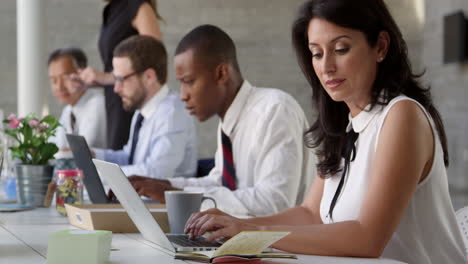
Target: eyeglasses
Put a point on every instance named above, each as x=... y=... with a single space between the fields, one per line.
x=121 y=79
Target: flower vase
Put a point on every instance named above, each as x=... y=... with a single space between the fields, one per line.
x=32 y=182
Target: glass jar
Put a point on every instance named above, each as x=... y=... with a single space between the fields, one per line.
x=69 y=189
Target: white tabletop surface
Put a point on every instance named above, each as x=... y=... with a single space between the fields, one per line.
x=24 y=235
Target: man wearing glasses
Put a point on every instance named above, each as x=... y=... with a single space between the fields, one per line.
x=84 y=112
x=163 y=141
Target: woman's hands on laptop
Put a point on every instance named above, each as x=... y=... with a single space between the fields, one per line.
x=150 y=187
x=221 y=225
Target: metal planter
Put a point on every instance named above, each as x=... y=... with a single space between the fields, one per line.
x=32 y=182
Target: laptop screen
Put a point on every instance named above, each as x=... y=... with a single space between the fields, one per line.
x=132 y=203
x=83 y=160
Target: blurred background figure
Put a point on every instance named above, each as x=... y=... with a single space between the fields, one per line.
x=121 y=19
x=84 y=112
x=163 y=138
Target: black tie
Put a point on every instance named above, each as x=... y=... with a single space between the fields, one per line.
x=349 y=154
x=136 y=134
x=229 y=170
x=72 y=122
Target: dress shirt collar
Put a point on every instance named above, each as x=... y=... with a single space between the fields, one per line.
x=363 y=119
x=148 y=109
x=234 y=111
x=82 y=100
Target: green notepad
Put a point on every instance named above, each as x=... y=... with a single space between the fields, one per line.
x=79 y=246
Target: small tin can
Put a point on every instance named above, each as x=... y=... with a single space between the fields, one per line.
x=69 y=189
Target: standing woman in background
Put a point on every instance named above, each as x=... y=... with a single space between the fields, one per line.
x=121 y=19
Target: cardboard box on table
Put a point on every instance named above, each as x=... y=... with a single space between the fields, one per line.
x=111 y=217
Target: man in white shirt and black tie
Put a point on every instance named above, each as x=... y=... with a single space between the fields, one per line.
x=262 y=165
x=84 y=112
x=163 y=140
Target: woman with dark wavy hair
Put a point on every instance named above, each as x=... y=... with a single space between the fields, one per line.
x=380 y=141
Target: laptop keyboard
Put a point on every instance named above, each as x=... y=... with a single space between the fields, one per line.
x=185 y=241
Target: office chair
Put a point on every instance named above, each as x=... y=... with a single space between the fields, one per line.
x=204 y=167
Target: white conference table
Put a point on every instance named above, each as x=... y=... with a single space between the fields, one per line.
x=24 y=236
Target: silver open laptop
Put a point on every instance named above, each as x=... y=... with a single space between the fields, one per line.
x=142 y=217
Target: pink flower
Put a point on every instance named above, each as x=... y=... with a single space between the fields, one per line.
x=11 y=117
x=14 y=123
x=33 y=123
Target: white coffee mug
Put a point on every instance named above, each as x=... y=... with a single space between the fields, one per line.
x=180 y=205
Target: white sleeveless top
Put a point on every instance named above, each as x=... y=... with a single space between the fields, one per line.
x=428 y=232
